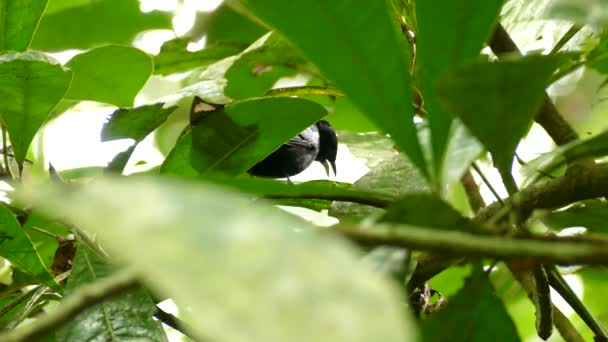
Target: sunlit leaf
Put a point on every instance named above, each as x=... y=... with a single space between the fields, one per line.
x=89 y=24
x=31 y=84
x=113 y=74
x=369 y=65
x=225 y=24
x=127 y=317
x=18 y=22
x=174 y=56
x=298 y=271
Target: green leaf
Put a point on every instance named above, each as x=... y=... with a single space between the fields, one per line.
x=312 y=189
x=583 y=12
x=510 y=91
x=127 y=317
x=475 y=313
x=16 y=247
x=45 y=245
x=391 y=173
x=461 y=151
x=112 y=74
x=591 y=215
x=361 y=50
x=88 y=24
x=174 y=56
x=233 y=138
x=18 y=22
x=594 y=147
x=225 y=24
x=135 y=123
x=449 y=33
x=299 y=271
x=31 y=84
x=428 y=210
x=257 y=69
x=598 y=57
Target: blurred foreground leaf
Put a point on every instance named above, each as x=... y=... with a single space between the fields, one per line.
x=225 y=264
x=113 y=74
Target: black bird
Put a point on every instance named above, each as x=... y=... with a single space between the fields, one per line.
x=317 y=142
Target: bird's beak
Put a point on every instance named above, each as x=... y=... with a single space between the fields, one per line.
x=327 y=164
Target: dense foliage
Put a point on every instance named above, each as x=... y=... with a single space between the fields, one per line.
x=457 y=232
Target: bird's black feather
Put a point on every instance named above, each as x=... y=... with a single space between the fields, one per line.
x=317 y=142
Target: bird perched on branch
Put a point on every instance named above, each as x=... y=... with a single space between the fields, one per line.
x=316 y=143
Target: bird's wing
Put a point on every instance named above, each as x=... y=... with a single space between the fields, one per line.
x=309 y=139
x=299 y=141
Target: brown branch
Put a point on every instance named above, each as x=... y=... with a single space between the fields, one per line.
x=588 y=183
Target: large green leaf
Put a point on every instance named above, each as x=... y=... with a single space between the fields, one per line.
x=497 y=101
x=16 y=246
x=174 y=56
x=361 y=49
x=18 y=22
x=449 y=33
x=475 y=313
x=233 y=138
x=196 y=243
x=112 y=74
x=125 y=318
x=87 y=24
x=31 y=84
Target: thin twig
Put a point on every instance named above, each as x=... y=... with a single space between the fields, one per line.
x=5 y=152
x=174 y=322
x=487 y=182
x=559 y=284
x=574 y=29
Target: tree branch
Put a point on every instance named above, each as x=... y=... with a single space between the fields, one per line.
x=86 y=296
x=588 y=183
x=556 y=251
